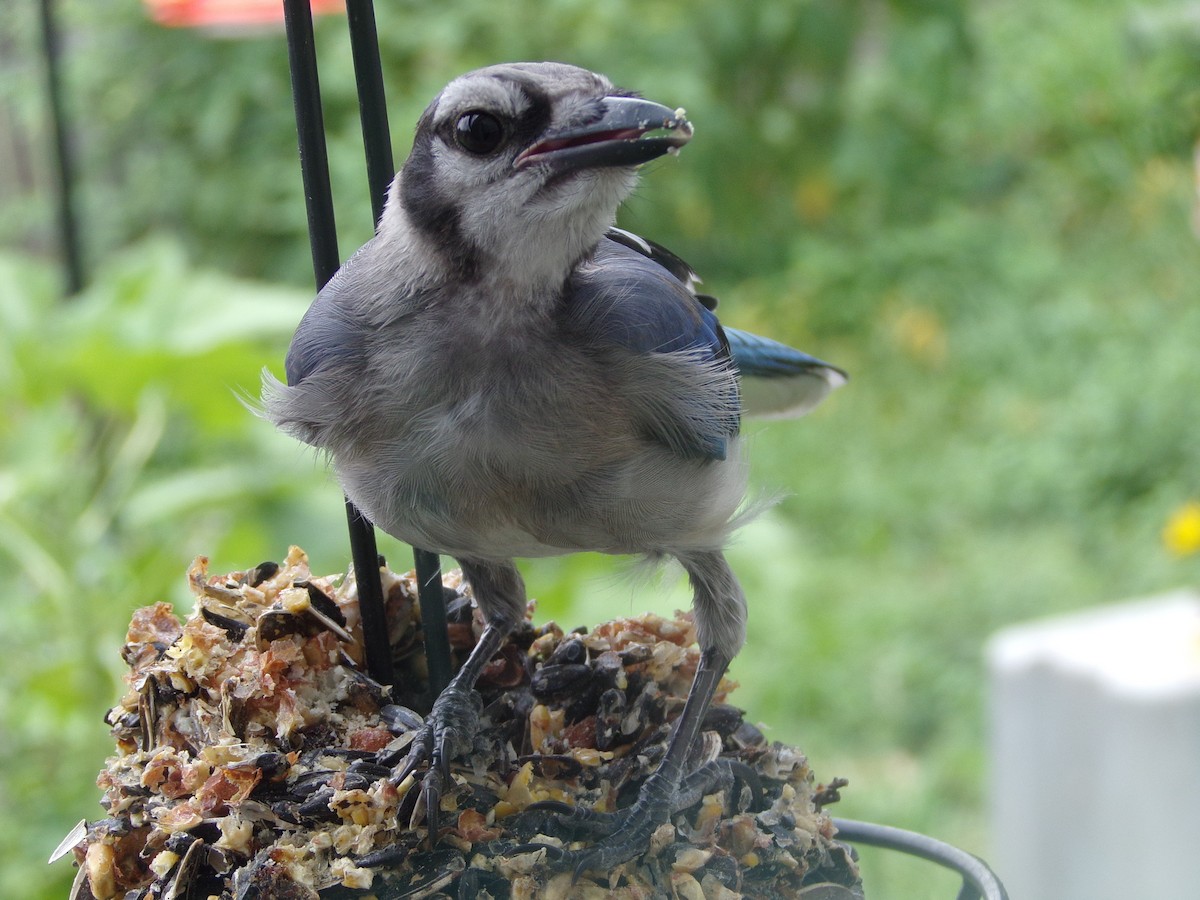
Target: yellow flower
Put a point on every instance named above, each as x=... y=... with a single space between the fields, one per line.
x=814 y=197
x=920 y=334
x=1181 y=534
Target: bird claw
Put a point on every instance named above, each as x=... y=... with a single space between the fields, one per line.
x=626 y=833
x=448 y=731
x=622 y=835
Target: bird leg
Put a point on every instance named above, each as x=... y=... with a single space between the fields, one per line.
x=449 y=730
x=626 y=833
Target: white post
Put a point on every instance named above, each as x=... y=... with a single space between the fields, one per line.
x=1095 y=753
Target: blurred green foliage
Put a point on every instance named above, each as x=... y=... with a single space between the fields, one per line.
x=984 y=211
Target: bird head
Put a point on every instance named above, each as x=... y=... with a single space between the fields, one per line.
x=517 y=170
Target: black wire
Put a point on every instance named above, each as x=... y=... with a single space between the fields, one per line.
x=377 y=142
x=322 y=235
x=68 y=232
x=434 y=626
x=979 y=881
x=310 y=136
x=372 y=103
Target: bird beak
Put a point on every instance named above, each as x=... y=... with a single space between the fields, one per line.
x=629 y=132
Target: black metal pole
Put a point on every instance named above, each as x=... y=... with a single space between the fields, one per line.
x=68 y=232
x=322 y=233
x=310 y=136
x=377 y=142
x=372 y=102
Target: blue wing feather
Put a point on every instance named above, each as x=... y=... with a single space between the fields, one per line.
x=645 y=307
x=777 y=380
x=623 y=298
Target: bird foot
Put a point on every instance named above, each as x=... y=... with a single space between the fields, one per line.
x=447 y=733
x=623 y=834
x=626 y=833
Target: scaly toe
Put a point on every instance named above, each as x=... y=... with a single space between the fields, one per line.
x=630 y=839
x=447 y=732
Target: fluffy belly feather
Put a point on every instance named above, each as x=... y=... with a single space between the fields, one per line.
x=470 y=505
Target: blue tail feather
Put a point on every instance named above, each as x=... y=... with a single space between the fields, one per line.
x=778 y=380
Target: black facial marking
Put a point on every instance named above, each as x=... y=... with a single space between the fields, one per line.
x=433 y=213
x=536 y=118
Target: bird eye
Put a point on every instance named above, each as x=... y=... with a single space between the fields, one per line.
x=478 y=132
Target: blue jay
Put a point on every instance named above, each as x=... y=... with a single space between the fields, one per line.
x=502 y=373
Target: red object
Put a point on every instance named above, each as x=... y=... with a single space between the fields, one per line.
x=224 y=14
